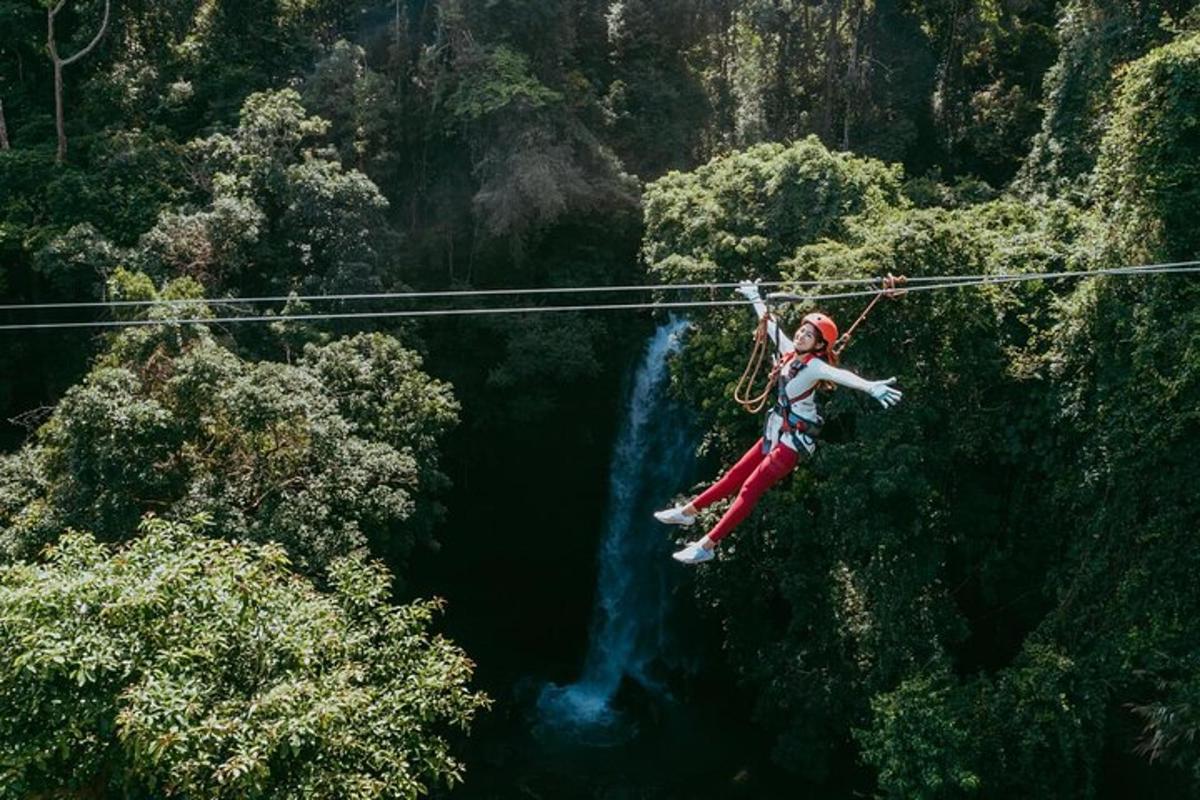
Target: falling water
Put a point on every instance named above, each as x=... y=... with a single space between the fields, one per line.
x=629 y=636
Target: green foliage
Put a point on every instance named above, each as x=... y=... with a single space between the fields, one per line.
x=541 y=360
x=77 y=263
x=739 y=216
x=1035 y=731
x=229 y=50
x=383 y=393
x=364 y=108
x=1148 y=174
x=1095 y=38
x=279 y=214
x=533 y=159
x=272 y=126
x=987 y=591
x=130 y=177
x=185 y=666
x=986 y=85
x=982 y=583
x=1171 y=723
x=919 y=744
x=321 y=456
x=496 y=80
x=743 y=216
x=655 y=106
x=210 y=246
x=537 y=179
x=1126 y=355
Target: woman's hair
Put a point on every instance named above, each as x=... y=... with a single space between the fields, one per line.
x=827 y=355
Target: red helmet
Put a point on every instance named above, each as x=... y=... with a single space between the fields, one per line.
x=825 y=326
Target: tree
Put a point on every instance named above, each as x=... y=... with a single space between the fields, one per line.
x=185 y=666
x=280 y=212
x=1148 y=172
x=1109 y=662
x=1096 y=37
x=60 y=63
x=364 y=109
x=321 y=458
x=742 y=215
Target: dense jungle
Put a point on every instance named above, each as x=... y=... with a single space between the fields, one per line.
x=311 y=547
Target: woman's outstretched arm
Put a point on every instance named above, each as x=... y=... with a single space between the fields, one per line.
x=883 y=391
x=783 y=343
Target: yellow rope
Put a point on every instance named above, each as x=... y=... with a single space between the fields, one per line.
x=745 y=384
x=890 y=290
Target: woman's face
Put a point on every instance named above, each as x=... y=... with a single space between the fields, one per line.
x=806 y=339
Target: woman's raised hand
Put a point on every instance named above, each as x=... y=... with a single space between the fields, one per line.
x=885 y=393
x=749 y=290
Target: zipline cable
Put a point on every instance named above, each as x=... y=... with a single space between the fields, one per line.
x=990 y=280
x=416 y=295
x=370 y=315
x=1184 y=267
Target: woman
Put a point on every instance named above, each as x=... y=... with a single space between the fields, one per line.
x=804 y=362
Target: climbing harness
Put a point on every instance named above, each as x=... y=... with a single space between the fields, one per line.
x=794 y=426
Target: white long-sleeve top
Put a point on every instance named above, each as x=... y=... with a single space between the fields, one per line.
x=799 y=377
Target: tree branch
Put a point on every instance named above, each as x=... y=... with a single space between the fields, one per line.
x=96 y=40
x=59 y=63
x=50 y=45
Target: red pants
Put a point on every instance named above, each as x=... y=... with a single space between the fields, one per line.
x=752 y=475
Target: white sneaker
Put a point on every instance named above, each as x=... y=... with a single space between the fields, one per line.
x=674 y=516
x=694 y=553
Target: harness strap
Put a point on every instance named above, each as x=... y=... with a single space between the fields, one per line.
x=793 y=422
x=805 y=394
x=804 y=359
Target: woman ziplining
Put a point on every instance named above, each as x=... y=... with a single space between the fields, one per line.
x=802 y=364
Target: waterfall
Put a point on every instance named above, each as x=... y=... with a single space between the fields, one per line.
x=653 y=453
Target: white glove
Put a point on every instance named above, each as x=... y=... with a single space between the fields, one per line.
x=749 y=290
x=885 y=393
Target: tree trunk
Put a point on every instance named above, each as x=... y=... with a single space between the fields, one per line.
x=3 y=129
x=777 y=112
x=59 y=63
x=59 y=123
x=831 y=70
x=855 y=87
